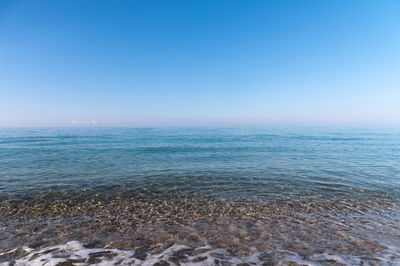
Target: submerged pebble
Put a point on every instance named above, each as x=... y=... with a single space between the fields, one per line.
x=149 y=228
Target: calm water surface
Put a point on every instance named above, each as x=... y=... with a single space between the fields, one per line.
x=302 y=195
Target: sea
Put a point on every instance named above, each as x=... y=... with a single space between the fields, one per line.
x=200 y=196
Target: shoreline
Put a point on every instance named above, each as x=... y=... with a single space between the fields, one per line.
x=309 y=228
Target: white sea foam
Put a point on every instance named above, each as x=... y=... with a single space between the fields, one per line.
x=76 y=253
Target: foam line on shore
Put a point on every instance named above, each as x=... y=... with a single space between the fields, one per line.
x=76 y=253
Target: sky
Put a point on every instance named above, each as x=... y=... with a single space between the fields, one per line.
x=187 y=63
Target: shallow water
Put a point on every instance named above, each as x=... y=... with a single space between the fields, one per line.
x=270 y=196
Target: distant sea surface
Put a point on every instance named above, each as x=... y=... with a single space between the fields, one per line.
x=205 y=196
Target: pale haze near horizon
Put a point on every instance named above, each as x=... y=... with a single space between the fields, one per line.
x=188 y=63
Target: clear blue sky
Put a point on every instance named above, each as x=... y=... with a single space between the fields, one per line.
x=199 y=62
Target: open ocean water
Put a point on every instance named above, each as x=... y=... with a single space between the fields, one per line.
x=206 y=196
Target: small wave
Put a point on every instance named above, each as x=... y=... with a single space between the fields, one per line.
x=75 y=253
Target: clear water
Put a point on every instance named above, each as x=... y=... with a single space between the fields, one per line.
x=346 y=180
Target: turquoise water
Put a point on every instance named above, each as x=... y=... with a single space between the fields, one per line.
x=269 y=162
x=337 y=177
